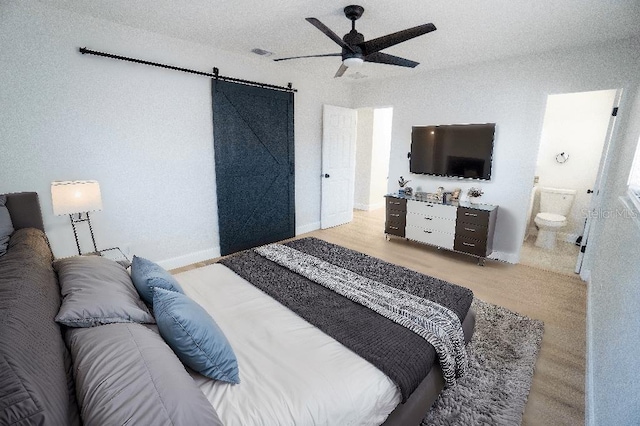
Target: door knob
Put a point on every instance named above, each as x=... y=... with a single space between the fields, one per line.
x=326 y=175
x=589 y=191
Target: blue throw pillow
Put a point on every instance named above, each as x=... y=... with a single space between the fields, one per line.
x=146 y=275
x=194 y=336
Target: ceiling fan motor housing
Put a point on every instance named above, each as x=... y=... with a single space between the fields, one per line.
x=353 y=39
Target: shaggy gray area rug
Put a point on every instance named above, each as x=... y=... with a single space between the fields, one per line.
x=502 y=355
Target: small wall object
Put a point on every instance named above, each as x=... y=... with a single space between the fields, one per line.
x=562 y=157
x=473 y=194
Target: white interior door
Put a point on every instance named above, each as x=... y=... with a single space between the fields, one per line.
x=338 y=165
x=596 y=198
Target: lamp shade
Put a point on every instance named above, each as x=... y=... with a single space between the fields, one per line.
x=77 y=196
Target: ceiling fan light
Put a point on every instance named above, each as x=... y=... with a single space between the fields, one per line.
x=352 y=62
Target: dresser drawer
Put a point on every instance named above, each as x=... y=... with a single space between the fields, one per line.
x=396 y=216
x=431 y=209
x=394 y=228
x=472 y=231
x=471 y=246
x=396 y=204
x=431 y=222
x=428 y=236
x=478 y=217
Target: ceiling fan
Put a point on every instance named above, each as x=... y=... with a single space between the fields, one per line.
x=355 y=50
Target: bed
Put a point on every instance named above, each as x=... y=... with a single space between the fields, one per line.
x=294 y=367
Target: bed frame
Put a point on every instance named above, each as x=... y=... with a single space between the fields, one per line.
x=24 y=209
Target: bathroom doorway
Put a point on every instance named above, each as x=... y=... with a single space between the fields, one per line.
x=572 y=145
x=373 y=150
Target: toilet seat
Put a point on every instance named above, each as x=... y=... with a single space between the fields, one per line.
x=550 y=219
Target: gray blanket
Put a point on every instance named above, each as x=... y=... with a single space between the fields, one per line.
x=398 y=352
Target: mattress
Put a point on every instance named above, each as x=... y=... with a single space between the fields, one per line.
x=291 y=373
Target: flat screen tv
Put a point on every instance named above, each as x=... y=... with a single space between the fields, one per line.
x=456 y=150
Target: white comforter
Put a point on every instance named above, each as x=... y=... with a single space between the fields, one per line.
x=291 y=373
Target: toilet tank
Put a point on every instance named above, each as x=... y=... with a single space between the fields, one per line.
x=556 y=200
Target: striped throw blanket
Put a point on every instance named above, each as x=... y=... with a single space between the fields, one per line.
x=433 y=322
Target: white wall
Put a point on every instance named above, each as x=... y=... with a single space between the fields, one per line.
x=511 y=93
x=144 y=133
x=576 y=124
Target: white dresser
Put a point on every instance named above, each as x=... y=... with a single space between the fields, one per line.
x=463 y=227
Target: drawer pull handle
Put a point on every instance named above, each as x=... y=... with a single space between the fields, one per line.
x=471 y=214
x=395 y=215
x=429 y=218
x=397 y=204
x=468 y=244
x=470 y=229
x=428 y=232
x=393 y=227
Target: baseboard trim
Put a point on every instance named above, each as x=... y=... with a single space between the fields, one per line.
x=188 y=259
x=504 y=257
x=314 y=226
x=589 y=411
x=566 y=237
x=368 y=207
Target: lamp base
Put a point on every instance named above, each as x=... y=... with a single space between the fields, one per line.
x=75 y=232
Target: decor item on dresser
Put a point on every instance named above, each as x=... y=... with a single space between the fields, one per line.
x=473 y=194
x=463 y=227
x=404 y=189
x=77 y=197
x=342 y=364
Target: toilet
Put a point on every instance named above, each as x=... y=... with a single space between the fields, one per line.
x=555 y=205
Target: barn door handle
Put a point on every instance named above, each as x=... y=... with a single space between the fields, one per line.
x=326 y=175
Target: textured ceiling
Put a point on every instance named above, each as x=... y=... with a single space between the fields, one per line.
x=468 y=31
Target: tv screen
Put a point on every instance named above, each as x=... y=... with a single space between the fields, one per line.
x=456 y=150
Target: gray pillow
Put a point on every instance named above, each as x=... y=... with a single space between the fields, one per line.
x=6 y=226
x=126 y=374
x=96 y=291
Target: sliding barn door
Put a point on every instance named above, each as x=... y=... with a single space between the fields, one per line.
x=254 y=158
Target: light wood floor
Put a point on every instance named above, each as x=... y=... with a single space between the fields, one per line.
x=557 y=391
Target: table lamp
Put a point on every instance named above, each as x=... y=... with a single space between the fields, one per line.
x=77 y=197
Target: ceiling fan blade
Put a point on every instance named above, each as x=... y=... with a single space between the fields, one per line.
x=389 y=40
x=308 y=56
x=341 y=71
x=333 y=36
x=384 y=58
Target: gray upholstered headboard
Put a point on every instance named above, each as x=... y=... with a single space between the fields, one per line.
x=24 y=209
